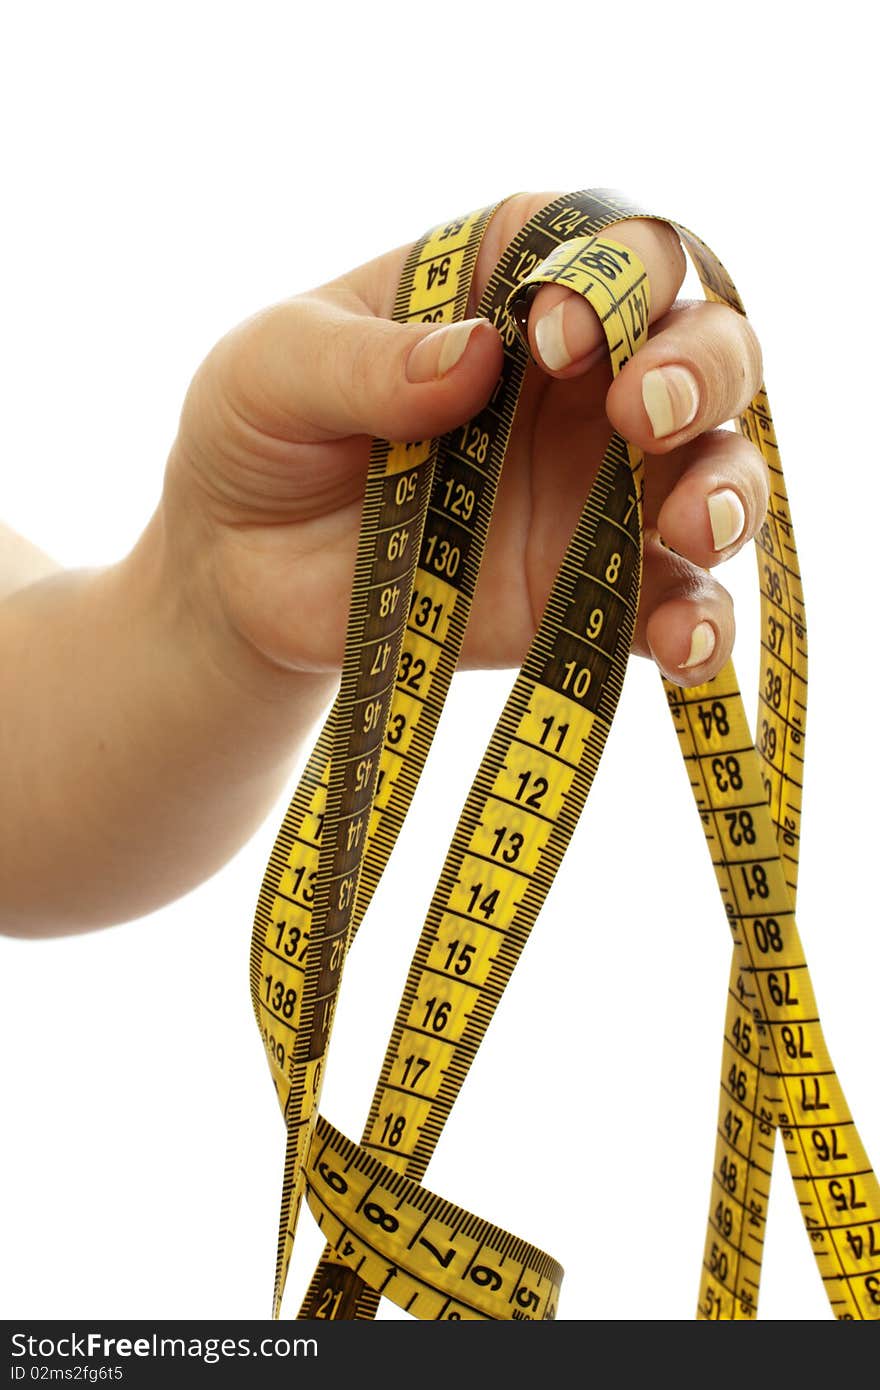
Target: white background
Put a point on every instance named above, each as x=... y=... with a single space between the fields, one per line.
x=162 y=168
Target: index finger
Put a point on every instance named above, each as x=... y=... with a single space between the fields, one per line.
x=564 y=332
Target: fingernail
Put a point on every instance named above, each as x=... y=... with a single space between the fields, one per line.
x=566 y=333
x=702 y=646
x=727 y=517
x=437 y=354
x=671 y=397
x=550 y=339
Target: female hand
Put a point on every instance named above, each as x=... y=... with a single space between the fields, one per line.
x=264 y=484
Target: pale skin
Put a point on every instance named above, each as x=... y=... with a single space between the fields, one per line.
x=146 y=735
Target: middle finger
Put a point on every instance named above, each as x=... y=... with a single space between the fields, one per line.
x=699 y=368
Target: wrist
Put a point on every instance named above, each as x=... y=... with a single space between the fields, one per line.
x=143 y=747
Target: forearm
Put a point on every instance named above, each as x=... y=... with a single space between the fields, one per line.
x=136 y=755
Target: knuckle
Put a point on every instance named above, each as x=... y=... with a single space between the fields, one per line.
x=753 y=357
x=673 y=252
x=727 y=354
x=713 y=362
x=659 y=246
x=750 y=475
x=721 y=596
x=729 y=359
x=235 y=366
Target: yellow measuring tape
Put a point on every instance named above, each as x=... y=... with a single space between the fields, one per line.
x=425 y=519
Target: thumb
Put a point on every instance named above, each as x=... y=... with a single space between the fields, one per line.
x=312 y=369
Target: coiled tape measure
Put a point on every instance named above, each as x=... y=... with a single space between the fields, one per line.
x=425 y=520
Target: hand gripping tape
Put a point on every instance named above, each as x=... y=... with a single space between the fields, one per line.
x=425 y=519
